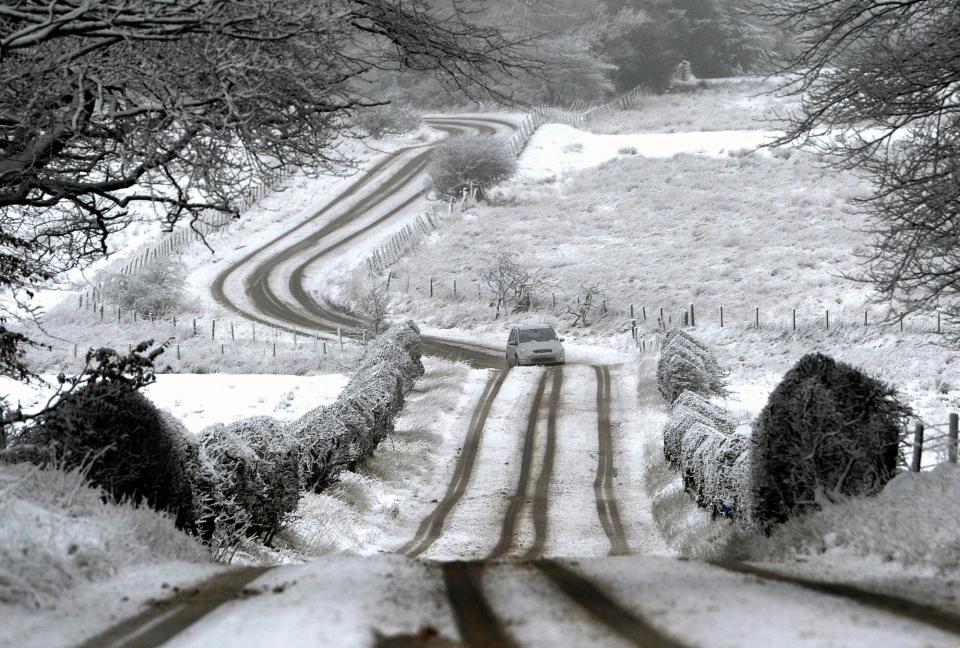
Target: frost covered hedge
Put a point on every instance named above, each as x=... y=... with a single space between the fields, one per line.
x=394 y=118
x=686 y=364
x=690 y=408
x=338 y=436
x=827 y=430
x=256 y=469
x=702 y=442
x=129 y=448
x=465 y=162
x=240 y=479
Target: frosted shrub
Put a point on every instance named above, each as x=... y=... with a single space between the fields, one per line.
x=256 y=467
x=391 y=119
x=157 y=289
x=827 y=430
x=686 y=364
x=324 y=440
x=336 y=437
x=690 y=408
x=466 y=163
x=130 y=448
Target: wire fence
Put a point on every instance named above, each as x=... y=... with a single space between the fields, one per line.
x=209 y=223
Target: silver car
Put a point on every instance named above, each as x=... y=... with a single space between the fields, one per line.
x=534 y=344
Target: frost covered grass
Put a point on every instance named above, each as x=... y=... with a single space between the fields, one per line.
x=910 y=522
x=722 y=105
x=58 y=532
x=251 y=350
x=377 y=508
x=740 y=232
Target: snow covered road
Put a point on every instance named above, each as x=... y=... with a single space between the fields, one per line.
x=543 y=535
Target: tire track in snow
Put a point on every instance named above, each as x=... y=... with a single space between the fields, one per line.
x=432 y=526
x=889 y=603
x=599 y=605
x=519 y=498
x=478 y=624
x=542 y=489
x=166 y=619
x=270 y=310
x=607 y=509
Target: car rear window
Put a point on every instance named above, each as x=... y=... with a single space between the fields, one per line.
x=537 y=335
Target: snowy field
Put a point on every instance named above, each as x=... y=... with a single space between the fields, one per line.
x=199 y=400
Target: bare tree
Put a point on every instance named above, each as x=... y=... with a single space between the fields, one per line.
x=118 y=110
x=588 y=301
x=881 y=80
x=509 y=280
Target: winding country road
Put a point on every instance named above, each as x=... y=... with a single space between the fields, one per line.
x=530 y=544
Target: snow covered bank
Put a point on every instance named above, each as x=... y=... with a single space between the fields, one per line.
x=59 y=532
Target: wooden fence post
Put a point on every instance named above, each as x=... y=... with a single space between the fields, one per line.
x=431 y=286
x=194 y=326
x=213 y=329
x=757 y=317
x=232 y=336
x=828 y=319
x=340 y=337
x=917 y=447
x=952 y=439
x=693 y=316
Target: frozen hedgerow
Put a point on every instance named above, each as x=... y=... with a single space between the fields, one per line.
x=686 y=364
x=256 y=464
x=690 y=408
x=827 y=430
x=336 y=437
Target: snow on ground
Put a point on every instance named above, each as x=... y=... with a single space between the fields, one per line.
x=199 y=400
x=337 y=601
x=705 y=606
x=378 y=508
x=93 y=607
x=556 y=150
x=72 y=562
x=278 y=212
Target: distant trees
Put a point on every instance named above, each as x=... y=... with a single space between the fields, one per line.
x=647 y=38
x=882 y=79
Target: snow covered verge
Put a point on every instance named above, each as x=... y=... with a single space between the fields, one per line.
x=59 y=533
x=376 y=507
x=906 y=524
